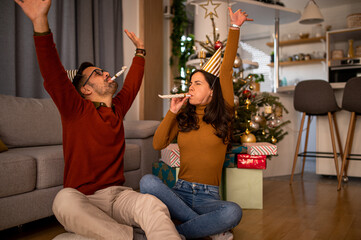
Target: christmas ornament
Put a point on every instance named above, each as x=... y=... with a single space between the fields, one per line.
x=268 y=109
x=202 y=54
x=278 y=121
x=251 y=87
x=210 y=8
x=246 y=93
x=237 y=62
x=247 y=102
x=263 y=132
x=236 y=100
x=272 y=123
x=257 y=118
x=174 y=90
x=248 y=138
x=278 y=112
x=254 y=125
x=247 y=132
x=218 y=44
x=263 y=121
x=273 y=140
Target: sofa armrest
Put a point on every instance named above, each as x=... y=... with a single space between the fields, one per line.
x=141 y=133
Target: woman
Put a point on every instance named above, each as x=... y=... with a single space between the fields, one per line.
x=203 y=130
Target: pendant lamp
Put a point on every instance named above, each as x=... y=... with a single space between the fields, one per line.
x=311 y=14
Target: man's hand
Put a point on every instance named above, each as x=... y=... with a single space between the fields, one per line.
x=138 y=43
x=239 y=17
x=37 y=12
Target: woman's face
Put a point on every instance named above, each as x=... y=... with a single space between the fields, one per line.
x=201 y=93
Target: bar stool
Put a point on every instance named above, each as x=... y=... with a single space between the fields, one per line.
x=351 y=102
x=315 y=98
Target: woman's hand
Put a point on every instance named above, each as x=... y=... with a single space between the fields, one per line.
x=238 y=17
x=37 y=12
x=176 y=104
x=138 y=43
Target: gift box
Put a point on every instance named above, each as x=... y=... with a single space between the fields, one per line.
x=170 y=155
x=261 y=148
x=251 y=161
x=231 y=159
x=238 y=149
x=169 y=175
x=244 y=187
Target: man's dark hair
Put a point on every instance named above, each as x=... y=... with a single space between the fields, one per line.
x=78 y=80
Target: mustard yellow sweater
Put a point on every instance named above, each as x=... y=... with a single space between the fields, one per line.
x=202 y=153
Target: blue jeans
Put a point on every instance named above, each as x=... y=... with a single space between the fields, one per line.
x=197 y=206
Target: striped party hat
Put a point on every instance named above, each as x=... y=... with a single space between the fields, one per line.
x=214 y=64
x=71 y=74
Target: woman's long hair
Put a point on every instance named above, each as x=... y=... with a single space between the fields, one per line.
x=217 y=113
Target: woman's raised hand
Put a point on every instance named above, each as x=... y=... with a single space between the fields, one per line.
x=238 y=17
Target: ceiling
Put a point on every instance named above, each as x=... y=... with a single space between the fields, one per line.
x=300 y=4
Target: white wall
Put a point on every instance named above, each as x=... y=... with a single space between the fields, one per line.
x=131 y=23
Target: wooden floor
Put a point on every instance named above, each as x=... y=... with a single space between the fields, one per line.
x=310 y=209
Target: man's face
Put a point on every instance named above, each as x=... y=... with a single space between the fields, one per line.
x=99 y=81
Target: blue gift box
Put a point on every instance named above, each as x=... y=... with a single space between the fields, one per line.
x=231 y=159
x=167 y=174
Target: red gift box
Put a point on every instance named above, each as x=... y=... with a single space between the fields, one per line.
x=251 y=161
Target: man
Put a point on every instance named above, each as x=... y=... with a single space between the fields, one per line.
x=93 y=202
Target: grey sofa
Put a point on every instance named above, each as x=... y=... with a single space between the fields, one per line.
x=31 y=171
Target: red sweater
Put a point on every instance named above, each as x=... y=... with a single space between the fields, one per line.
x=93 y=138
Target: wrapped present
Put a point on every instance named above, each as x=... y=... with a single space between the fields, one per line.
x=244 y=187
x=238 y=149
x=170 y=155
x=261 y=148
x=251 y=161
x=167 y=174
x=231 y=159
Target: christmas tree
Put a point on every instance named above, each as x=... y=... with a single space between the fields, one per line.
x=258 y=115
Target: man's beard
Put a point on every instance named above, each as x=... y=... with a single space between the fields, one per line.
x=109 y=88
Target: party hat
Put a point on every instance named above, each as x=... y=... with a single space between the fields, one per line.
x=71 y=74
x=214 y=64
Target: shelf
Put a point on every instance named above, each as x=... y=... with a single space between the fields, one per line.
x=312 y=61
x=298 y=41
x=264 y=13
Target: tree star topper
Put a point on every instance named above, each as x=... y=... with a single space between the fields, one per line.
x=210 y=8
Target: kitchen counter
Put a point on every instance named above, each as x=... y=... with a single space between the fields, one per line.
x=291 y=88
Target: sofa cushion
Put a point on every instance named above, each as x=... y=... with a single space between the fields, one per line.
x=140 y=129
x=17 y=173
x=29 y=122
x=131 y=157
x=49 y=164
